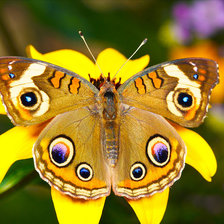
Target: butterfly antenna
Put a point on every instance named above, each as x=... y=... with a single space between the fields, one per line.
x=84 y=40
x=141 y=44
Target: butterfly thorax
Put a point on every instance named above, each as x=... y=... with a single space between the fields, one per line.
x=110 y=121
x=109 y=101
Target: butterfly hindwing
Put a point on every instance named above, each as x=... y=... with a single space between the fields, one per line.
x=178 y=90
x=68 y=155
x=151 y=155
x=34 y=91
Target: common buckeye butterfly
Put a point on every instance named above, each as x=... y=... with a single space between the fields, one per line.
x=108 y=135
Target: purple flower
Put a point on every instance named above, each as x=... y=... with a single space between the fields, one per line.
x=207 y=17
x=181 y=13
x=203 y=18
x=181 y=28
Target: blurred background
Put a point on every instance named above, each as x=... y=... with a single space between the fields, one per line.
x=175 y=29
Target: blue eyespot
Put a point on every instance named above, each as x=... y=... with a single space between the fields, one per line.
x=61 y=151
x=185 y=100
x=195 y=76
x=138 y=171
x=28 y=99
x=84 y=172
x=12 y=76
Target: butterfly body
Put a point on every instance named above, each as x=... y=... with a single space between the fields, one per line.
x=109 y=100
x=105 y=136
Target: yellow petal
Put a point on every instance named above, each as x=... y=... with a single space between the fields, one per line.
x=16 y=144
x=199 y=154
x=2 y=108
x=70 y=210
x=110 y=61
x=150 y=210
x=68 y=59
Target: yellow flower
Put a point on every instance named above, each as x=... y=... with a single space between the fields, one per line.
x=71 y=210
x=204 y=49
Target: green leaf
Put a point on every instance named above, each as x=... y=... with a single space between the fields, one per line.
x=20 y=174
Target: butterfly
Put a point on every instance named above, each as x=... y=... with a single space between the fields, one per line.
x=104 y=135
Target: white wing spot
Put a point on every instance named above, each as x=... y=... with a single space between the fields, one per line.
x=26 y=81
x=186 y=83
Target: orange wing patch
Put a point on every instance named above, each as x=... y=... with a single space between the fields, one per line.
x=5 y=77
x=201 y=78
x=140 y=86
x=5 y=74
x=4 y=70
x=74 y=85
x=156 y=80
x=25 y=114
x=55 y=80
x=191 y=113
x=202 y=71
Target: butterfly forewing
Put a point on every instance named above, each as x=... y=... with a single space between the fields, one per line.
x=34 y=91
x=178 y=90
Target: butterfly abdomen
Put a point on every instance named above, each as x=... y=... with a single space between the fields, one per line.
x=111 y=142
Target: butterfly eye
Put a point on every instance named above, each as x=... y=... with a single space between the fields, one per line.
x=84 y=172
x=30 y=99
x=158 y=150
x=138 y=171
x=61 y=151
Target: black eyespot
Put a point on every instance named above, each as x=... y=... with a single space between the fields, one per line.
x=184 y=99
x=138 y=171
x=158 y=150
x=12 y=76
x=84 y=172
x=195 y=76
x=61 y=151
x=28 y=99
